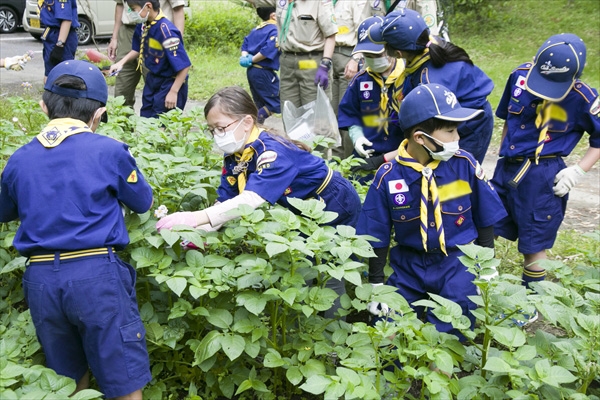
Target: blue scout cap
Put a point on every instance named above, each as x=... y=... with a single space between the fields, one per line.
x=400 y=29
x=432 y=101
x=97 y=89
x=557 y=64
x=365 y=45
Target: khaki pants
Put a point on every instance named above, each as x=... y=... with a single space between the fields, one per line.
x=298 y=85
x=128 y=78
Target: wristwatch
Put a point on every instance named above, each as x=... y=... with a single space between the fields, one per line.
x=60 y=43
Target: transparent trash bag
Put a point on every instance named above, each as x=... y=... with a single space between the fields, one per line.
x=316 y=118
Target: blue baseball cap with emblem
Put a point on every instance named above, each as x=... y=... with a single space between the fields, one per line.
x=96 y=87
x=556 y=67
x=400 y=30
x=364 y=44
x=432 y=100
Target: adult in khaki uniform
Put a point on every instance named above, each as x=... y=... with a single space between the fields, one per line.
x=307 y=30
x=120 y=44
x=427 y=9
x=348 y=14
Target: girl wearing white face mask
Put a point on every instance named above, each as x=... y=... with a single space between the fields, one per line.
x=261 y=167
x=433 y=197
x=367 y=108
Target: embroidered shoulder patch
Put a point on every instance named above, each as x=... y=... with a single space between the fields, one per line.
x=232 y=180
x=133 y=178
x=479 y=172
x=595 y=108
x=266 y=158
x=171 y=43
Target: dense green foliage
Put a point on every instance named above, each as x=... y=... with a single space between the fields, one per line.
x=236 y=319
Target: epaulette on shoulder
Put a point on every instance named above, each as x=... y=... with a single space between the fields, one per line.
x=465 y=154
x=523 y=67
x=585 y=91
x=382 y=171
x=359 y=73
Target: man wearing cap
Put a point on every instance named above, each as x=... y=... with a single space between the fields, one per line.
x=69 y=202
x=60 y=35
x=434 y=197
x=546 y=109
x=367 y=108
x=122 y=37
x=307 y=32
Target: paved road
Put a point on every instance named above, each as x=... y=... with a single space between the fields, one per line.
x=584 y=204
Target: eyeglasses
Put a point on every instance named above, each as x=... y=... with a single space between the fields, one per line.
x=220 y=131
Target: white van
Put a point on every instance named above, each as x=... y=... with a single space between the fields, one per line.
x=97 y=19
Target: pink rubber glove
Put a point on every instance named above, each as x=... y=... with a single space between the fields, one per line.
x=189 y=218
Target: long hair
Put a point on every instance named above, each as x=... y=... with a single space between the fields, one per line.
x=237 y=103
x=440 y=50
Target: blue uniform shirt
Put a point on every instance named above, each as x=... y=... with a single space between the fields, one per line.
x=53 y=12
x=575 y=114
x=68 y=196
x=361 y=106
x=263 y=40
x=162 y=48
x=278 y=169
x=468 y=201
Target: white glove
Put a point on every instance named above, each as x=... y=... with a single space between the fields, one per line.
x=14 y=63
x=360 y=144
x=566 y=179
x=377 y=308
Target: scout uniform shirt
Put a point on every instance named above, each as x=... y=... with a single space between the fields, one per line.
x=53 y=12
x=160 y=45
x=427 y=9
x=263 y=40
x=68 y=199
x=349 y=14
x=577 y=113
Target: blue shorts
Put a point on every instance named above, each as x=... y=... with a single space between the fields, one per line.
x=264 y=86
x=534 y=212
x=85 y=314
x=49 y=41
x=417 y=273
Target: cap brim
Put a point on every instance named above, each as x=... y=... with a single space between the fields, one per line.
x=539 y=86
x=369 y=48
x=461 y=114
x=375 y=34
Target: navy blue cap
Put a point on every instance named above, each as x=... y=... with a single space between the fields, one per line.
x=432 y=101
x=365 y=45
x=400 y=29
x=97 y=89
x=557 y=64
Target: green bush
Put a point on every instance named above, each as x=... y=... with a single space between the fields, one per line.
x=220 y=26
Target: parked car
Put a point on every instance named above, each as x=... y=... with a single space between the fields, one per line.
x=11 y=15
x=97 y=19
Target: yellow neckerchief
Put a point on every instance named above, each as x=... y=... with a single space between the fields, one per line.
x=417 y=62
x=427 y=185
x=267 y=22
x=285 y=26
x=541 y=122
x=396 y=78
x=59 y=129
x=245 y=157
x=145 y=30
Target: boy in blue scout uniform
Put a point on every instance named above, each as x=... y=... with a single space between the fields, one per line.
x=262 y=167
x=260 y=55
x=60 y=37
x=546 y=109
x=158 y=45
x=81 y=295
x=431 y=59
x=435 y=197
x=367 y=109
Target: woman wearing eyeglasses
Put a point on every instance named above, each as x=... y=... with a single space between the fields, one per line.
x=261 y=167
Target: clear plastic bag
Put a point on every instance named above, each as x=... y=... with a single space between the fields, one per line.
x=316 y=118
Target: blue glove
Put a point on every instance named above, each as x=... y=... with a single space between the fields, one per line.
x=322 y=76
x=246 y=61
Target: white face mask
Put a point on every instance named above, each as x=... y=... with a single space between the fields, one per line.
x=378 y=65
x=136 y=17
x=227 y=142
x=449 y=149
